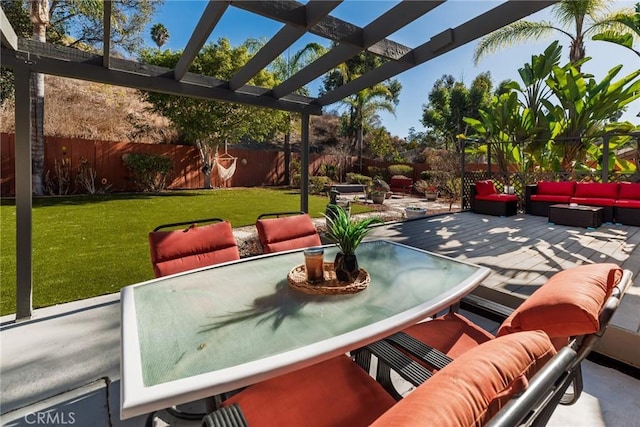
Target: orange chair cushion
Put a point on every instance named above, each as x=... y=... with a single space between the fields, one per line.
x=181 y=250
x=484 y=188
x=452 y=334
x=333 y=393
x=475 y=386
x=287 y=233
x=568 y=304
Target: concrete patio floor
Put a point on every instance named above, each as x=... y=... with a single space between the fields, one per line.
x=63 y=365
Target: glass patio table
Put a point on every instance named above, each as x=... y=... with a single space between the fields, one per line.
x=200 y=333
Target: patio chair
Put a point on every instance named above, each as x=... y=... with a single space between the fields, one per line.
x=486 y=200
x=287 y=231
x=336 y=392
x=196 y=246
x=469 y=391
x=574 y=306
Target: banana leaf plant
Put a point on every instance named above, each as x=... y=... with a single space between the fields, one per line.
x=585 y=105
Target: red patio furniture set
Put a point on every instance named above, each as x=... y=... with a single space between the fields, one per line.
x=620 y=202
x=463 y=374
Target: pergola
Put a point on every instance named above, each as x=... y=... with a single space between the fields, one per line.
x=27 y=56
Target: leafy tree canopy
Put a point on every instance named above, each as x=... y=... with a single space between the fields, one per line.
x=208 y=123
x=450 y=101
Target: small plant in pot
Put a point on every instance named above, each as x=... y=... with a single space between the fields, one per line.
x=347 y=234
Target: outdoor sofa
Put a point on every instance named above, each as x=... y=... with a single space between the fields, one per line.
x=620 y=202
x=486 y=200
x=401 y=185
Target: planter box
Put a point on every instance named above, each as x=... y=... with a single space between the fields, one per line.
x=415 y=213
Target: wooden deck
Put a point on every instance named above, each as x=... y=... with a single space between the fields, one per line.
x=523 y=251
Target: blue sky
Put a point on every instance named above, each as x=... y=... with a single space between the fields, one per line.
x=180 y=18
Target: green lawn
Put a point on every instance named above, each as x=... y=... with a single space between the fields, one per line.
x=87 y=246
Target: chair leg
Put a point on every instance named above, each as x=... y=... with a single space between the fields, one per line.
x=577 y=383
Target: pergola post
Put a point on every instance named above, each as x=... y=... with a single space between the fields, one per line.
x=605 y=158
x=304 y=169
x=24 y=277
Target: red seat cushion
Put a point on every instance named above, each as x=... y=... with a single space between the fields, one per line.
x=475 y=386
x=568 y=304
x=181 y=250
x=484 y=188
x=556 y=188
x=550 y=198
x=287 y=233
x=597 y=190
x=452 y=334
x=498 y=197
x=629 y=191
x=333 y=393
x=592 y=201
x=628 y=204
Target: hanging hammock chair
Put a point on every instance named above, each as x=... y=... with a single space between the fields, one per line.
x=225 y=173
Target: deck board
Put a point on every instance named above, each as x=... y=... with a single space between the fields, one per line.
x=524 y=251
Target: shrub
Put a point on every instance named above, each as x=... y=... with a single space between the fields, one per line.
x=318 y=184
x=149 y=171
x=329 y=170
x=378 y=172
x=405 y=170
x=356 y=178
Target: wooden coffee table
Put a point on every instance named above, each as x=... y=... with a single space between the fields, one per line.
x=576 y=215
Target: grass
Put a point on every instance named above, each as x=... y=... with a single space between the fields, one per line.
x=85 y=246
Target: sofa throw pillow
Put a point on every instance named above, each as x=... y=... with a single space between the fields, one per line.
x=484 y=188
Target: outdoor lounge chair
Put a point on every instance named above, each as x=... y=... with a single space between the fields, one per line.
x=486 y=200
x=472 y=390
x=573 y=308
x=287 y=231
x=196 y=246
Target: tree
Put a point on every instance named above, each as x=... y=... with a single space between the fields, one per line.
x=285 y=67
x=39 y=16
x=362 y=107
x=449 y=102
x=631 y=21
x=76 y=23
x=586 y=105
x=207 y=123
x=159 y=34
x=587 y=17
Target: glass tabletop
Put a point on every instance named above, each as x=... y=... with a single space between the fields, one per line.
x=244 y=318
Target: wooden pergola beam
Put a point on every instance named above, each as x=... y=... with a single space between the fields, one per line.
x=209 y=19
x=446 y=41
x=289 y=34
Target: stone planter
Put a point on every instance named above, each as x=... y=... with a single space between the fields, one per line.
x=414 y=212
x=431 y=197
x=378 y=198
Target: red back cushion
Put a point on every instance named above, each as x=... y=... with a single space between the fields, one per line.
x=629 y=191
x=291 y=232
x=597 y=190
x=568 y=304
x=475 y=386
x=484 y=188
x=556 y=188
x=181 y=250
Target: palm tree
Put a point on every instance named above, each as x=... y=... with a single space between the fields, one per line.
x=586 y=16
x=626 y=40
x=39 y=16
x=159 y=34
x=364 y=107
x=283 y=68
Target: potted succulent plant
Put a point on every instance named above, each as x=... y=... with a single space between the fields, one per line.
x=347 y=234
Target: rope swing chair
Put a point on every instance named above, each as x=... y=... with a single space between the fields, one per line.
x=225 y=173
